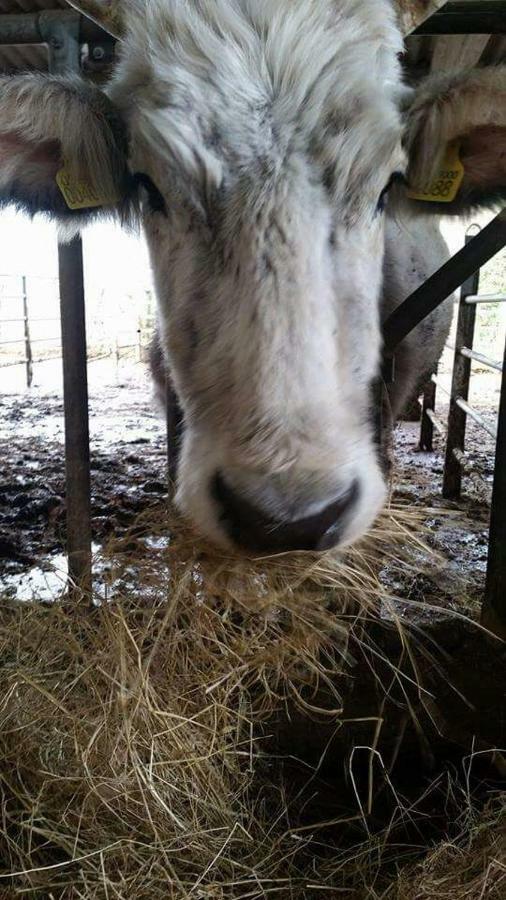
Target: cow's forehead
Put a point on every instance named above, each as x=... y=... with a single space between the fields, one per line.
x=224 y=84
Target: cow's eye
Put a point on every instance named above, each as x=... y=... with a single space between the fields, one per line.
x=155 y=198
x=396 y=178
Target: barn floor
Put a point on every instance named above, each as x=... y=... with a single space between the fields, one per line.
x=128 y=475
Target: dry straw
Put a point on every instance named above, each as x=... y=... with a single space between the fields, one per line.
x=132 y=754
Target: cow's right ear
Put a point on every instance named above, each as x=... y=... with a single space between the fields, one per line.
x=63 y=149
x=456 y=141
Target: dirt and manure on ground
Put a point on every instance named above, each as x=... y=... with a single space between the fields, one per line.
x=128 y=469
x=293 y=728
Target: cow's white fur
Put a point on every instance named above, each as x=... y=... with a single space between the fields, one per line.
x=242 y=110
x=270 y=127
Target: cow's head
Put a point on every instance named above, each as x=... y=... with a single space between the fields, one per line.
x=262 y=137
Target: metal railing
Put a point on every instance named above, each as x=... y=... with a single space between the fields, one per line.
x=137 y=337
x=457 y=462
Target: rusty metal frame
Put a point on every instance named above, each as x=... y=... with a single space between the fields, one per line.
x=466 y=17
x=494 y=602
x=460 y=387
x=64 y=57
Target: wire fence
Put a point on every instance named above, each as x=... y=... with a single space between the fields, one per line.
x=28 y=338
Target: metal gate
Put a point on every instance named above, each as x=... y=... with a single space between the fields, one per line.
x=457 y=463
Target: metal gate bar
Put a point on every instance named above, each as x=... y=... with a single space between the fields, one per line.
x=452 y=480
x=494 y=604
x=64 y=57
x=444 y=282
x=75 y=393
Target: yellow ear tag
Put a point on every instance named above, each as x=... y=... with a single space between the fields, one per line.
x=446 y=184
x=79 y=194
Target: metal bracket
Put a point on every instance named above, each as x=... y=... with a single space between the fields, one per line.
x=62 y=37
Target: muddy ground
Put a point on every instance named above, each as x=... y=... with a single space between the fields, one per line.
x=128 y=455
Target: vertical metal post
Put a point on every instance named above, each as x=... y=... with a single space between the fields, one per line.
x=64 y=57
x=75 y=392
x=28 y=343
x=452 y=478
x=174 y=431
x=427 y=428
x=139 y=339
x=494 y=604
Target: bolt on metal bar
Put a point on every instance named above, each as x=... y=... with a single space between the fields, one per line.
x=486 y=298
x=473 y=414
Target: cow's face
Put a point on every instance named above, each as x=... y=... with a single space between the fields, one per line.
x=264 y=142
x=266 y=186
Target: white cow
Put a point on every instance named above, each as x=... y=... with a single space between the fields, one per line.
x=259 y=140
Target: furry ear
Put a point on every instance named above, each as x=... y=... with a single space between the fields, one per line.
x=48 y=124
x=470 y=109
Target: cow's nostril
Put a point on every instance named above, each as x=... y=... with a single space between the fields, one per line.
x=253 y=529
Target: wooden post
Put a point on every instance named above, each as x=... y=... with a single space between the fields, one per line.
x=28 y=343
x=494 y=605
x=427 y=428
x=452 y=478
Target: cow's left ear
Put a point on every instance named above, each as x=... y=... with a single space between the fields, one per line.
x=456 y=121
x=63 y=150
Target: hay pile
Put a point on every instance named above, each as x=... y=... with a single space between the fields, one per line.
x=134 y=758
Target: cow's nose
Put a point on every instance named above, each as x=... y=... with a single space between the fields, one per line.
x=257 y=531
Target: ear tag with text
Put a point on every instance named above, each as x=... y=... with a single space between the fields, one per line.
x=446 y=184
x=79 y=194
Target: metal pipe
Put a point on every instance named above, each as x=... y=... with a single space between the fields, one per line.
x=486 y=298
x=470 y=411
x=38 y=28
x=175 y=424
x=438 y=425
x=440 y=386
x=64 y=53
x=479 y=357
x=494 y=605
x=75 y=393
x=426 y=428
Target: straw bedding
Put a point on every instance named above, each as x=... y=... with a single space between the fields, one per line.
x=134 y=750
